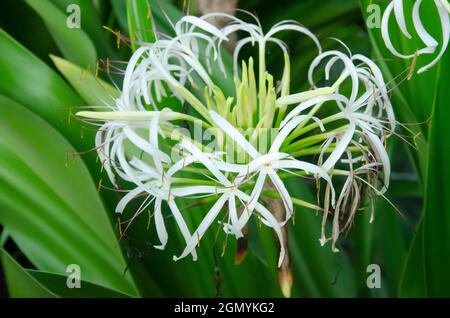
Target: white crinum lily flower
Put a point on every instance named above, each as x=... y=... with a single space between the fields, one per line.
x=430 y=43
x=370 y=117
x=180 y=66
x=363 y=109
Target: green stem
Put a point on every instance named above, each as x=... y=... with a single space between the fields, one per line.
x=316 y=108
x=298 y=132
x=299 y=202
x=194 y=102
x=262 y=77
x=318 y=150
x=312 y=140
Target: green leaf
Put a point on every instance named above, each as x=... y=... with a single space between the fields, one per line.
x=120 y=13
x=425 y=272
x=33 y=84
x=20 y=283
x=57 y=284
x=140 y=22
x=412 y=101
x=33 y=283
x=413 y=282
x=91 y=23
x=94 y=90
x=329 y=274
x=50 y=194
x=437 y=200
x=74 y=43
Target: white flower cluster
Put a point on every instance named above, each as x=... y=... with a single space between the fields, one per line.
x=138 y=134
x=430 y=43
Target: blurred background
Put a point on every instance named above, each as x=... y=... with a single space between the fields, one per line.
x=54 y=211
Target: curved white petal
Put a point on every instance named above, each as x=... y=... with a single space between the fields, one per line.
x=268 y=219
x=400 y=17
x=201 y=157
x=127 y=198
x=314 y=101
x=385 y=32
x=304 y=96
x=293 y=27
x=233 y=133
x=288 y=128
x=200 y=23
x=160 y=226
x=145 y=146
x=426 y=38
x=340 y=147
x=381 y=154
x=204 y=225
x=181 y=225
x=284 y=195
x=445 y=24
x=309 y=168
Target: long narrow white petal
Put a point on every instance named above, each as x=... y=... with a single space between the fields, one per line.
x=202 y=24
x=314 y=101
x=145 y=146
x=445 y=23
x=340 y=147
x=254 y=197
x=287 y=129
x=145 y=168
x=127 y=198
x=160 y=226
x=234 y=134
x=265 y=161
x=204 y=225
x=381 y=86
x=304 y=96
x=385 y=33
x=349 y=70
x=284 y=195
x=309 y=168
x=294 y=27
x=181 y=225
x=400 y=17
x=269 y=220
x=233 y=216
x=426 y=38
x=381 y=154
x=191 y=190
x=200 y=156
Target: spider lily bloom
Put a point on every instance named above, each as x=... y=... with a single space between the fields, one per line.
x=363 y=109
x=370 y=120
x=168 y=67
x=430 y=43
x=138 y=137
